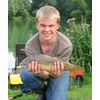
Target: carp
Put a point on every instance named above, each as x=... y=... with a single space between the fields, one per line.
x=46 y=62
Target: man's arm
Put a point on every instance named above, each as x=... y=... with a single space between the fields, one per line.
x=58 y=67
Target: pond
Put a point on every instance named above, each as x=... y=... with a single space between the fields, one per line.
x=19 y=32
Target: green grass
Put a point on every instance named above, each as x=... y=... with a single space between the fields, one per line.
x=80 y=93
x=24 y=97
x=75 y=92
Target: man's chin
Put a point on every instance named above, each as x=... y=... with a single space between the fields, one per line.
x=47 y=37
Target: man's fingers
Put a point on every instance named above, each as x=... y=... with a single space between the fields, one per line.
x=38 y=68
x=57 y=68
x=62 y=66
x=35 y=66
x=29 y=67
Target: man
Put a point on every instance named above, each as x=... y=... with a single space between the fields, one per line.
x=51 y=42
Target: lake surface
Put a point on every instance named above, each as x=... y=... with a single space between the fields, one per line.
x=19 y=32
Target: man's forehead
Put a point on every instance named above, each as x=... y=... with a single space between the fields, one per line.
x=48 y=17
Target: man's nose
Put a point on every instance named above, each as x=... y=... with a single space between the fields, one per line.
x=47 y=28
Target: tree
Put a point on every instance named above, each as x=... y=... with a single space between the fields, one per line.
x=18 y=8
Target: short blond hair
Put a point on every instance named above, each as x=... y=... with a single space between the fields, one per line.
x=48 y=12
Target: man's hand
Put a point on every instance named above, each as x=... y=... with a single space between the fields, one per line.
x=57 y=69
x=34 y=67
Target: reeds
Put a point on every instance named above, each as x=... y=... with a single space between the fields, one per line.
x=81 y=37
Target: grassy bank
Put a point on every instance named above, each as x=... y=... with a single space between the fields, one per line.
x=75 y=92
x=83 y=92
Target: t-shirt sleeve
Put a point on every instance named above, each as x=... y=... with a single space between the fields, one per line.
x=29 y=49
x=66 y=53
x=65 y=48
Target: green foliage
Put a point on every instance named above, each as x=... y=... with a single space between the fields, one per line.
x=67 y=8
x=34 y=13
x=25 y=14
x=81 y=37
x=78 y=9
x=18 y=8
x=11 y=7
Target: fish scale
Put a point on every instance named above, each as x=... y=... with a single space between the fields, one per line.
x=46 y=62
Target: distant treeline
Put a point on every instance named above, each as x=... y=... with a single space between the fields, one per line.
x=68 y=8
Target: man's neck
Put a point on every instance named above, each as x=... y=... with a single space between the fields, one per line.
x=47 y=45
x=47 y=42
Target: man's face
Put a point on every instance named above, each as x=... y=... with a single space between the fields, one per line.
x=47 y=27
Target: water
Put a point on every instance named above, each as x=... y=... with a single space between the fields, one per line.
x=19 y=32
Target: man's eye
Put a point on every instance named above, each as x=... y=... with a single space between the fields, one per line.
x=51 y=25
x=42 y=25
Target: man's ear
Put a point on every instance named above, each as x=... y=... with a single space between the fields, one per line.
x=58 y=26
x=36 y=24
